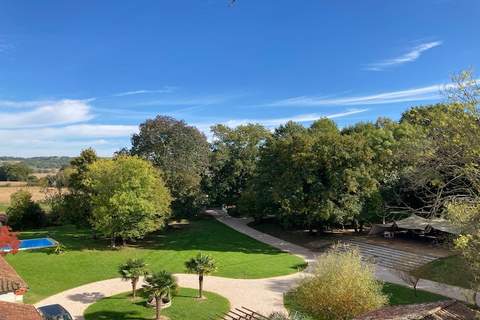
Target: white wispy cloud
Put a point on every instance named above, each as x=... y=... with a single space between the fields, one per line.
x=416 y=94
x=54 y=113
x=190 y=101
x=410 y=56
x=166 y=89
x=275 y=122
x=67 y=140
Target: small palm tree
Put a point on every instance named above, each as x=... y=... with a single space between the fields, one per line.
x=132 y=270
x=160 y=285
x=202 y=264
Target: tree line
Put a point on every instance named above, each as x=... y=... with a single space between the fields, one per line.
x=311 y=177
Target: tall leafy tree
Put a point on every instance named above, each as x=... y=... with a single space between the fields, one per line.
x=132 y=270
x=15 y=172
x=129 y=197
x=23 y=212
x=202 y=265
x=235 y=152
x=160 y=285
x=181 y=152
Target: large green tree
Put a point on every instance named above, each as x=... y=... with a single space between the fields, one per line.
x=181 y=152
x=235 y=152
x=17 y=171
x=129 y=197
x=24 y=213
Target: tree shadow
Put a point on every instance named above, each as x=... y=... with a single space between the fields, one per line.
x=115 y=315
x=88 y=297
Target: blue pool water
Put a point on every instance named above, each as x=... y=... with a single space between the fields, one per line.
x=37 y=243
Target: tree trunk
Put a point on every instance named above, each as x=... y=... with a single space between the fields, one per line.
x=112 y=240
x=134 y=287
x=158 y=302
x=124 y=241
x=200 y=285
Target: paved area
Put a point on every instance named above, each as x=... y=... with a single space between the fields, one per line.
x=262 y=295
x=390 y=257
x=382 y=273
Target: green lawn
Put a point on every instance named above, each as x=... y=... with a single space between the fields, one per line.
x=403 y=295
x=184 y=306
x=3 y=207
x=398 y=295
x=87 y=260
x=451 y=270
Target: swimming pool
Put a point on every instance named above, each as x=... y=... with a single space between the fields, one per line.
x=37 y=243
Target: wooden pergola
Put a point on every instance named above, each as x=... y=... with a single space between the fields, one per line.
x=242 y=313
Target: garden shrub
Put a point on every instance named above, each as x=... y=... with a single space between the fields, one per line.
x=341 y=287
x=24 y=213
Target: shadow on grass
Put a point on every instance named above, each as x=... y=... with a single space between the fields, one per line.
x=115 y=315
x=204 y=234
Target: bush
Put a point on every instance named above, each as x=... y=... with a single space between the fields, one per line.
x=341 y=287
x=24 y=213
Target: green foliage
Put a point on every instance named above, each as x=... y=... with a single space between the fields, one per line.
x=342 y=287
x=184 y=305
x=16 y=171
x=75 y=206
x=129 y=197
x=160 y=285
x=202 y=265
x=319 y=175
x=237 y=256
x=132 y=270
x=233 y=161
x=23 y=213
x=181 y=152
x=59 y=249
x=40 y=164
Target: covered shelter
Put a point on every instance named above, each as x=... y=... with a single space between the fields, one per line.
x=418 y=225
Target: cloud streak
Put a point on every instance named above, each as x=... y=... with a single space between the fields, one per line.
x=410 y=56
x=417 y=94
x=166 y=89
x=60 y=112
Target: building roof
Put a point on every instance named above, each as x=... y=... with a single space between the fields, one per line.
x=18 y=311
x=415 y=222
x=10 y=281
x=443 y=310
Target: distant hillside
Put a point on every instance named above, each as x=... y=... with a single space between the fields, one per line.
x=40 y=163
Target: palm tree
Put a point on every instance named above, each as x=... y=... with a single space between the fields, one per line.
x=132 y=270
x=202 y=264
x=160 y=285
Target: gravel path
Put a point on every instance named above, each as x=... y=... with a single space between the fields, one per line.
x=263 y=295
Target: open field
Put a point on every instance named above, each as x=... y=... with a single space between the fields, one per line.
x=88 y=260
x=38 y=193
x=184 y=304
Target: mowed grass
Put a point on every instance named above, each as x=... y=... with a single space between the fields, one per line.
x=3 y=207
x=88 y=260
x=184 y=306
x=397 y=294
x=451 y=270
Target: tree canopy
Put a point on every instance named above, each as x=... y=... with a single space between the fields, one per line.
x=129 y=197
x=181 y=152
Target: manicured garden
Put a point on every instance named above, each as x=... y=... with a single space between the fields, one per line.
x=184 y=305
x=451 y=270
x=87 y=260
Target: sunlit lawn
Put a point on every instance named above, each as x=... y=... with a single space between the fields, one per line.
x=88 y=260
x=185 y=306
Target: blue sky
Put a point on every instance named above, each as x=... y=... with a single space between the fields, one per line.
x=75 y=74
